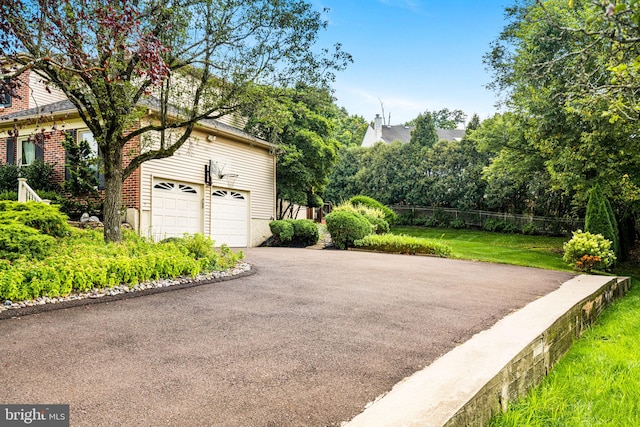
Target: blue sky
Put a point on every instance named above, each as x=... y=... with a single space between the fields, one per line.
x=413 y=55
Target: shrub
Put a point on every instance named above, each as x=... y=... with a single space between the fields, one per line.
x=380 y=225
x=499 y=226
x=40 y=175
x=9 y=195
x=529 y=228
x=427 y=221
x=404 y=244
x=9 y=174
x=389 y=215
x=282 y=231
x=82 y=262
x=442 y=217
x=458 y=223
x=45 y=218
x=19 y=240
x=586 y=251
x=346 y=227
x=599 y=218
x=305 y=232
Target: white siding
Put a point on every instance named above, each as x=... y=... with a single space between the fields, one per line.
x=254 y=166
x=39 y=96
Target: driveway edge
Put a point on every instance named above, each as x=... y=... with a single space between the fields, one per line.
x=480 y=377
x=189 y=283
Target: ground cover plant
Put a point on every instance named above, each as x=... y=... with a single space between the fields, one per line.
x=478 y=245
x=82 y=261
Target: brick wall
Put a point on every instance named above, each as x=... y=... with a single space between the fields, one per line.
x=54 y=154
x=21 y=102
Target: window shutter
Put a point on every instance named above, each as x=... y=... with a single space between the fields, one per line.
x=40 y=150
x=11 y=151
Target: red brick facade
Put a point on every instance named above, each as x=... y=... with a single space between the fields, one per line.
x=21 y=102
x=54 y=154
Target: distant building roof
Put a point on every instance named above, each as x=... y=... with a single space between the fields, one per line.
x=387 y=134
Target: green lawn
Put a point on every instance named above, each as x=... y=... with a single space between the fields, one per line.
x=597 y=383
x=477 y=245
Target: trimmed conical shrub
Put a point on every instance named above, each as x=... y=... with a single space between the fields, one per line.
x=600 y=218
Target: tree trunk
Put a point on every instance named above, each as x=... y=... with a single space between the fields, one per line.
x=113 y=194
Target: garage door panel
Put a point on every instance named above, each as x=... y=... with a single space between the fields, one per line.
x=229 y=218
x=176 y=209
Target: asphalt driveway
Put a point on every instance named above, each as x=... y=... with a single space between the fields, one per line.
x=306 y=341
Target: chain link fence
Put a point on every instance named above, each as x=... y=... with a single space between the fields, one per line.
x=415 y=215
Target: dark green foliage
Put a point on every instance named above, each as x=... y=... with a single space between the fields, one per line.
x=305 y=232
x=9 y=174
x=40 y=176
x=458 y=223
x=9 y=195
x=82 y=166
x=47 y=219
x=381 y=226
x=347 y=227
x=600 y=219
x=442 y=217
x=18 y=240
x=530 y=229
x=499 y=226
x=282 y=231
x=294 y=232
x=314 y=201
x=389 y=215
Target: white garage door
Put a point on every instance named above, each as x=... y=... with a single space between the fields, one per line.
x=229 y=218
x=176 y=208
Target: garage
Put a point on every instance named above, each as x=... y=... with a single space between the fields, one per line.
x=176 y=208
x=229 y=217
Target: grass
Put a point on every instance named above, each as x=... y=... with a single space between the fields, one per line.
x=597 y=383
x=478 y=245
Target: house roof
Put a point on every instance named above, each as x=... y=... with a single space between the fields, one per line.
x=66 y=106
x=403 y=133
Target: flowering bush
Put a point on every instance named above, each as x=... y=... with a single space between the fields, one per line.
x=586 y=251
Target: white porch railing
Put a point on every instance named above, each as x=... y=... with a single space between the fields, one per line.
x=26 y=193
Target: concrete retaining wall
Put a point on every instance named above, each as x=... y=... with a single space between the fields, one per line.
x=469 y=384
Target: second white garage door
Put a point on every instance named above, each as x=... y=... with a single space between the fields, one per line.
x=229 y=217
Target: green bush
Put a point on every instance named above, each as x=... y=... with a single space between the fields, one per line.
x=529 y=228
x=426 y=221
x=305 y=232
x=403 y=244
x=40 y=175
x=586 y=251
x=380 y=225
x=442 y=217
x=19 y=240
x=9 y=174
x=458 y=224
x=389 y=215
x=47 y=219
x=499 y=226
x=347 y=227
x=600 y=219
x=282 y=231
x=82 y=261
x=9 y=195
x=294 y=232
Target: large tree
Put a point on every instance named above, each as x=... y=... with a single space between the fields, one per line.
x=187 y=60
x=301 y=121
x=556 y=73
